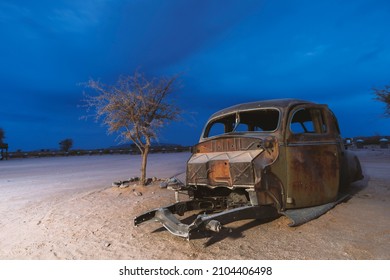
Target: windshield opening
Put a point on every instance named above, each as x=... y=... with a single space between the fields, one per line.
x=264 y=120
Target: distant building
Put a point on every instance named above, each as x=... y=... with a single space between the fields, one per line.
x=384 y=143
x=360 y=143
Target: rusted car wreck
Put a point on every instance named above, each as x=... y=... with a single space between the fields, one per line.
x=263 y=159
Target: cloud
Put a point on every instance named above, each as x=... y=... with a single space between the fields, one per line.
x=70 y=20
x=158 y=35
x=10 y=12
x=80 y=16
x=316 y=51
x=370 y=55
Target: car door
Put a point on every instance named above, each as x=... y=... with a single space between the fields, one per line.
x=312 y=157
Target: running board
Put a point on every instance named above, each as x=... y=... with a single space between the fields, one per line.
x=304 y=215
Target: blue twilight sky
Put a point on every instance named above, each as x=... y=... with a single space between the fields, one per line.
x=230 y=52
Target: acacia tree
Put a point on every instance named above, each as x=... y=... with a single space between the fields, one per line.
x=135 y=107
x=3 y=146
x=2 y=136
x=383 y=95
x=66 y=144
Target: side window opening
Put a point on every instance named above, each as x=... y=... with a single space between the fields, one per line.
x=308 y=121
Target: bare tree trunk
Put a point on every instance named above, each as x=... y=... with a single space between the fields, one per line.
x=145 y=154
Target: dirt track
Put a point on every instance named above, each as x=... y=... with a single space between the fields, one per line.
x=64 y=208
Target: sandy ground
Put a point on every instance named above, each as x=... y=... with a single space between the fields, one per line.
x=65 y=208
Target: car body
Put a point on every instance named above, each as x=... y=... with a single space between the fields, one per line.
x=283 y=154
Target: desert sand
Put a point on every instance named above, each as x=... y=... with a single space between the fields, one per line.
x=66 y=208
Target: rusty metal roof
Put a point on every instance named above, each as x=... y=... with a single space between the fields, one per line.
x=272 y=103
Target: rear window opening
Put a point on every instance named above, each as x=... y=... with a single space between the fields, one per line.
x=308 y=121
x=264 y=120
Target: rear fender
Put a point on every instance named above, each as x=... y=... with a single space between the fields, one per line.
x=351 y=169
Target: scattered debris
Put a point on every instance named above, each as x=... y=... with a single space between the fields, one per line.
x=171 y=183
x=116 y=184
x=134 y=179
x=125 y=184
x=136 y=193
